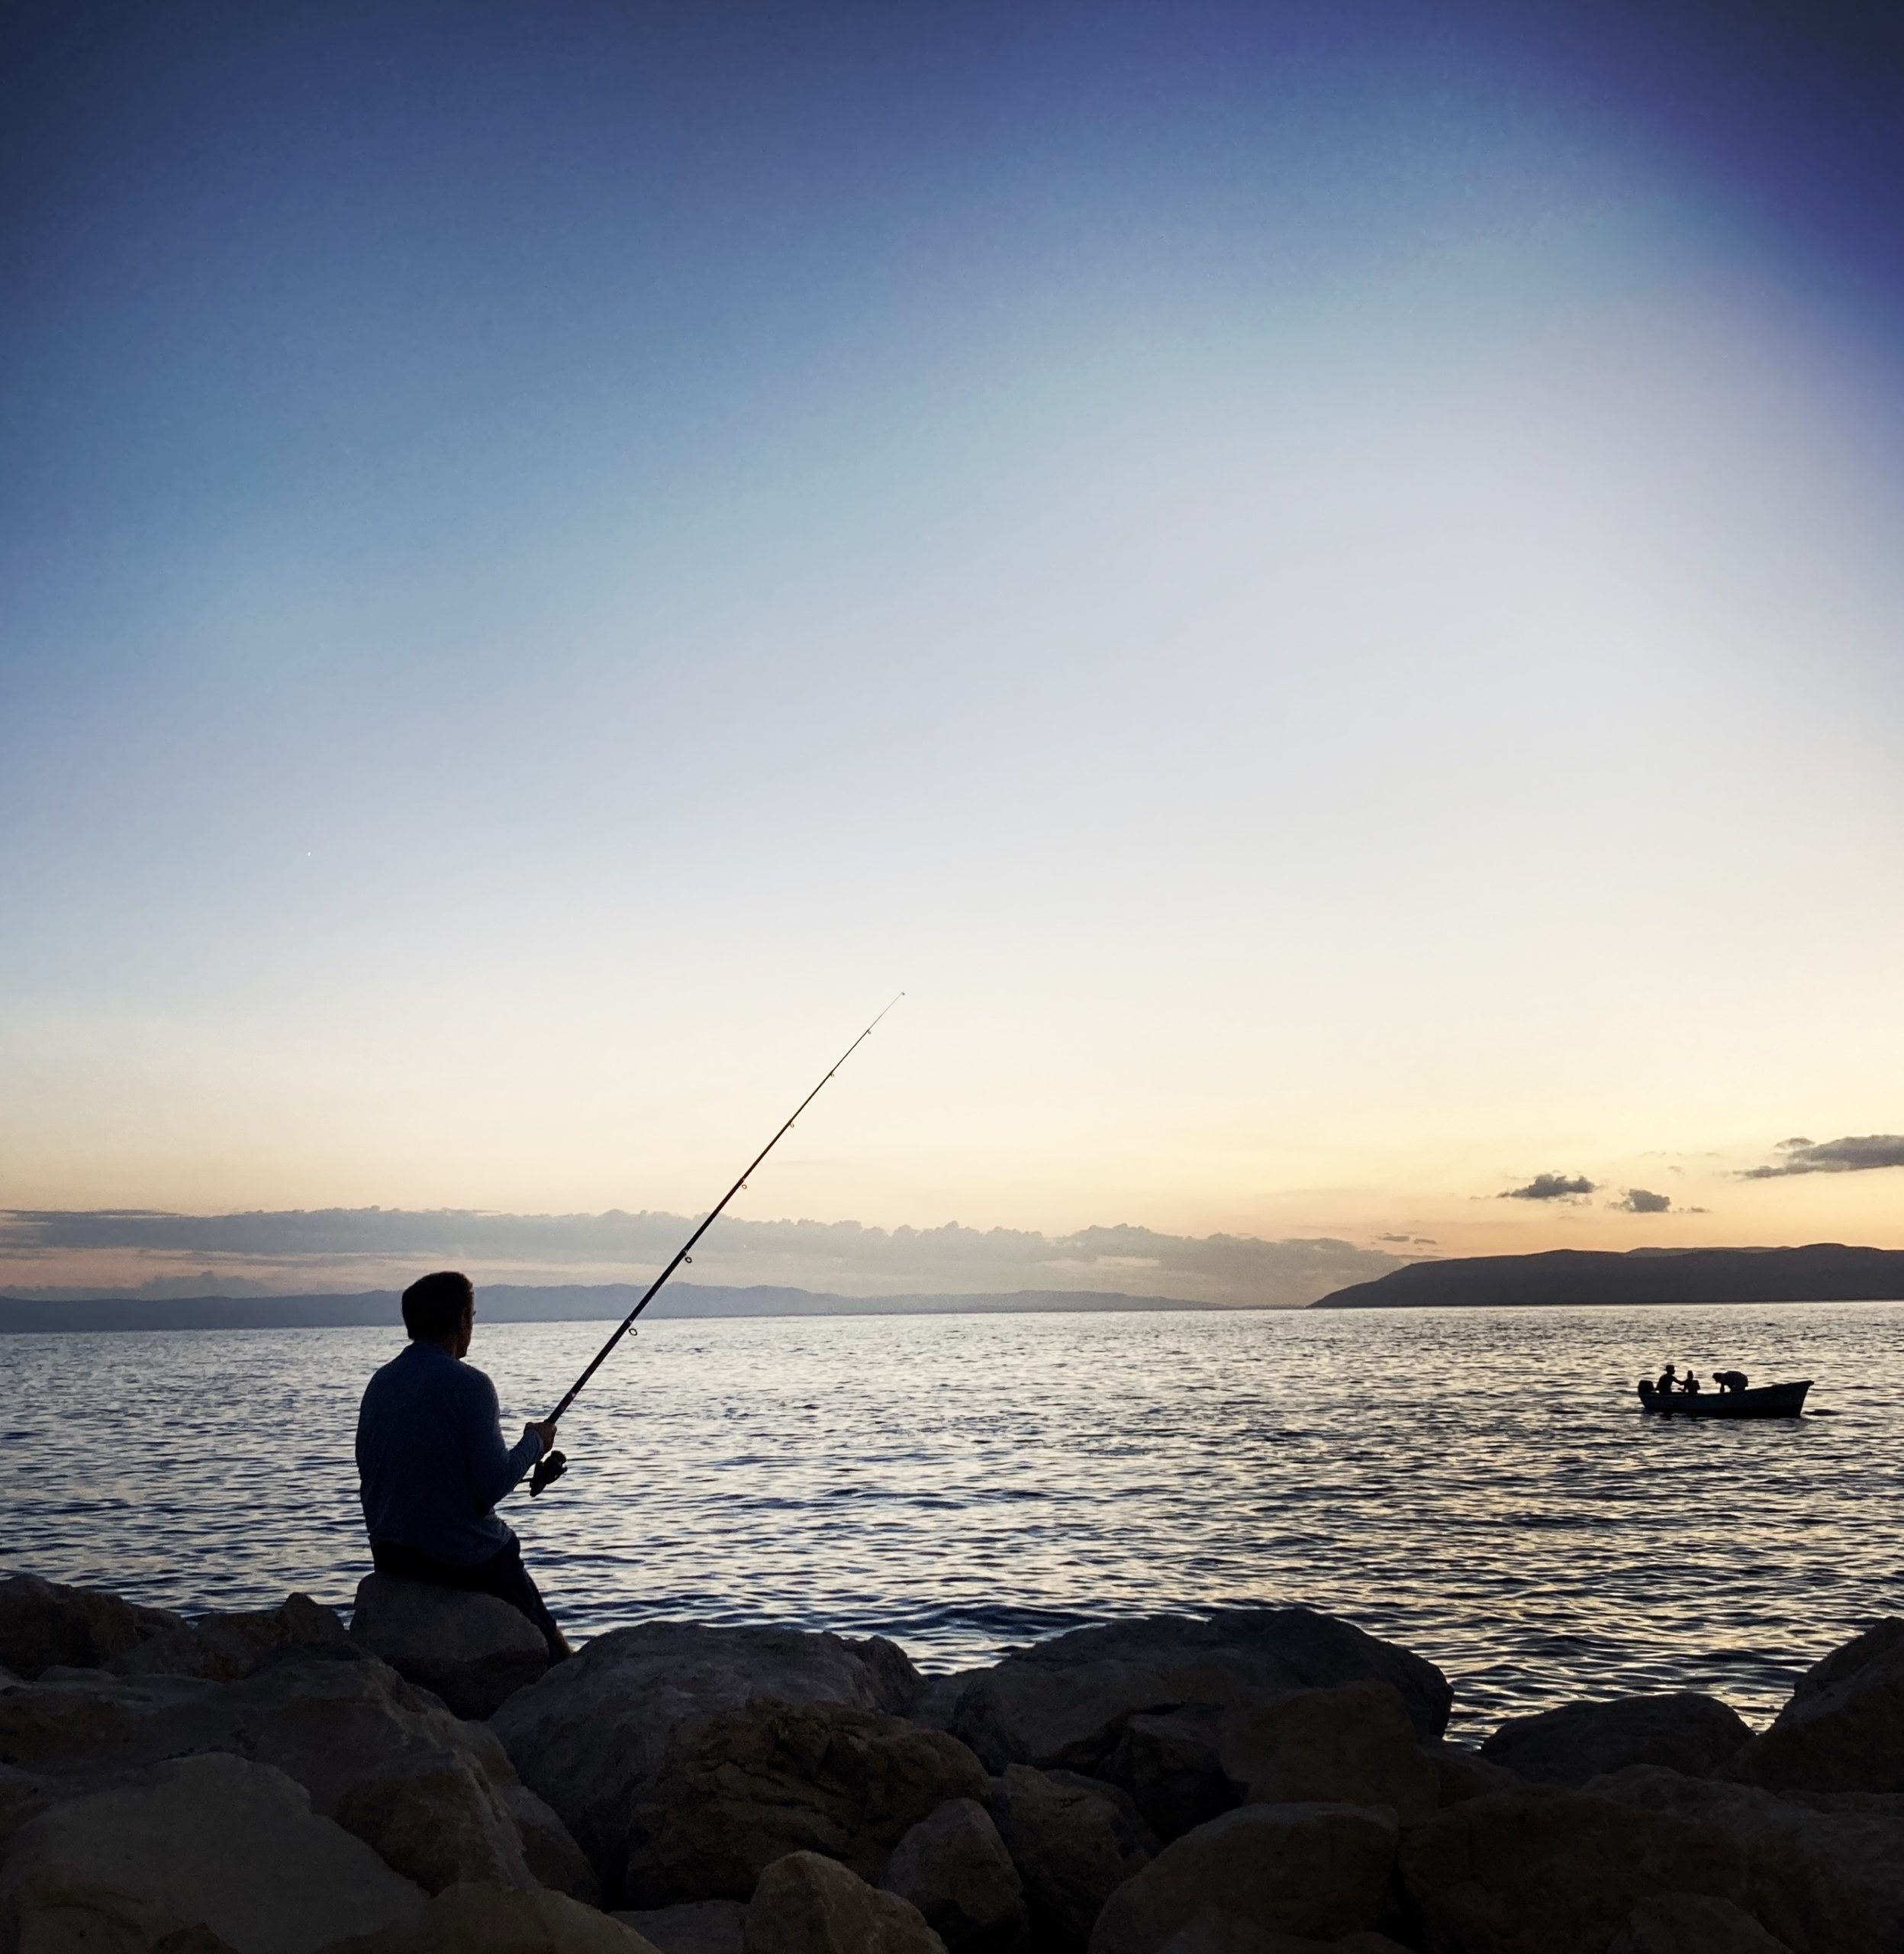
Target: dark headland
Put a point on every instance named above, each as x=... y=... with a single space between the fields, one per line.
x=1821 y=1272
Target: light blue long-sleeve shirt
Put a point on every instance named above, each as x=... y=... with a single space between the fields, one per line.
x=431 y=1462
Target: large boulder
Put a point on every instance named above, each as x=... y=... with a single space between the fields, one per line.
x=202 y=1845
x=953 y=1866
x=45 y=1626
x=1318 y=1870
x=1354 y=1745
x=554 y=1858
x=24 y=1795
x=1548 y=1871
x=695 y=1926
x=1214 y=1932
x=744 y=1787
x=1882 y=1638
x=434 y=1818
x=489 y=1919
x=1693 y=1923
x=1171 y=1762
x=227 y=1648
x=1462 y=1773
x=472 y=1650
x=1074 y=1841
x=1059 y=1703
x=1351 y=1745
x=590 y=1736
x=1843 y=1729
x=379 y=1756
x=1688 y=1732
x=807 y=1904
x=1825 y=1873
x=938 y=1698
x=898 y=1688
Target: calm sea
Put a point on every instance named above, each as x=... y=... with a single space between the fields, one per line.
x=1478 y=1484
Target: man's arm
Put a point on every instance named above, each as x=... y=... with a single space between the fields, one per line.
x=494 y=1468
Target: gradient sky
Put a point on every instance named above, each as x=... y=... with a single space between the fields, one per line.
x=1318 y=584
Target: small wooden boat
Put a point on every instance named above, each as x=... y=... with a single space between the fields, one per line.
x=1766 y=1400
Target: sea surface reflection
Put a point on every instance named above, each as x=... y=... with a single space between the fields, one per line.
x=1478 y=1484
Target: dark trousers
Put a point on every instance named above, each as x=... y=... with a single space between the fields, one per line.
x=502 y=1575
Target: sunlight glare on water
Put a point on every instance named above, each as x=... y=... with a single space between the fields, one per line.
x=1479 y=1485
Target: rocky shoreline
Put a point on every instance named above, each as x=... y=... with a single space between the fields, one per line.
x=1254 y=1782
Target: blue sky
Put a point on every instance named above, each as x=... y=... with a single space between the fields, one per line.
x=1317 y=584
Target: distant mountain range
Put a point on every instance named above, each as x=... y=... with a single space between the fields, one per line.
x=1823 y=1272
x=502 y=1302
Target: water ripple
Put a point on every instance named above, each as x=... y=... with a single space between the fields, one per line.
x=1480 y=1484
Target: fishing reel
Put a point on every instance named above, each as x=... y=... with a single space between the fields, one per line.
x=547 y=1471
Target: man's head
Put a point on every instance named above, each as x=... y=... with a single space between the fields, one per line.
x=441 y=1309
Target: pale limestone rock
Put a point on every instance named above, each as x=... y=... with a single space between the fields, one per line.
x=744 y=1787
x=490 y=1920
x=228 y=1647
x=697 y=1927
x=1214 y=1932
x=1061 y=1702
x=435 y=1819
x=1318 y=1871
x=1462 y=1773
x=1170 y=1762
x=1354 y=1745
x=1843 y=1729
x=897 y=1683
x=1693 y=1923
x=806 y=1904
x=210 y=1843
x=341 y=1726
x=1544 y=1871
x=590 y=1736
x=552 y=1855
x=1074 y=1841
x=953 y=1866
x=472 y=1650
x=45 y=1626
x=1824 y=1872
x=1687 y=1732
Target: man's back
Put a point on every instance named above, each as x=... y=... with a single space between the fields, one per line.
x=431 y=1459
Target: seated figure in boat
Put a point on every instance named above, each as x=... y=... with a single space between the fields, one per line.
x=1729 y=1380
x=1689 y=1387
x=1668 y=1382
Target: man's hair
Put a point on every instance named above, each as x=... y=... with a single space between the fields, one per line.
x=432 y=1305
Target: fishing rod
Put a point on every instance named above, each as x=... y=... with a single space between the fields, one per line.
x=551 y=1467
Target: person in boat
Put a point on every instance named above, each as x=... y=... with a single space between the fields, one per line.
x=1668 y=1382
x=431 y=1462
x=1729 y=1380
x=1690 y=1387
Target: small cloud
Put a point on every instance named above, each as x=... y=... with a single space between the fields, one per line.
x=1854 y=1154
x=1424 y=1241
x=1552 y=1187
x=1642 y=1201
x=1395 y=1238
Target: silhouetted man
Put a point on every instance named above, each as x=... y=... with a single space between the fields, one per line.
x=1668 y=1382
x=1729 y=1380
x=432 y=1465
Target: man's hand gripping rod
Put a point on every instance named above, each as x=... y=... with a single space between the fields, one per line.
x=551 y=1466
